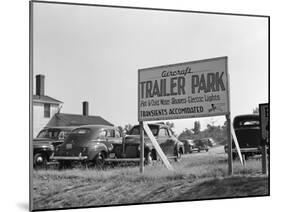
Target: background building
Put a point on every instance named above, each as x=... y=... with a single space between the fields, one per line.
x=44 y=107
x=46 y=111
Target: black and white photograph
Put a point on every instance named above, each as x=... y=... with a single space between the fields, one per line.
x=136 y=105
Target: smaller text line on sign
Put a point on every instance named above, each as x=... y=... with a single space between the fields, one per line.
x=184 y=90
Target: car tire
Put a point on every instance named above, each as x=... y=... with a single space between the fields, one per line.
x=39 y=161
x=178 y=155
x=100 y=160
x=148 y=159
x=207 y=150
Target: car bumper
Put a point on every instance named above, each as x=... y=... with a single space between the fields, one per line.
x=69 y=158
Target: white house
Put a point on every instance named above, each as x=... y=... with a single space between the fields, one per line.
x=44 y=107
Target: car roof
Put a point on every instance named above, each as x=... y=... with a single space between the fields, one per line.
x=247 y=116
x=60 y=127
x=96 y=126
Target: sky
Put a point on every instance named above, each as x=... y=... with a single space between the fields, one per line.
x=93 y=54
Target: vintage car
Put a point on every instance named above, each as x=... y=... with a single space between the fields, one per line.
x=44 y=143
x=189 y=146
x=247 y=130
x=201 y=145
x=170 y=145
x=209 y=141
x=89 y=145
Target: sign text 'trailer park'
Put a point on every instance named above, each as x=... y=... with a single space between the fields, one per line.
x=184 y=90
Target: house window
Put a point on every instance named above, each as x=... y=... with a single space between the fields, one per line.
x=47 y=110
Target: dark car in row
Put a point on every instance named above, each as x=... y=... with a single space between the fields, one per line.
x=247 y=130
x=45 y=142
x=93 y=144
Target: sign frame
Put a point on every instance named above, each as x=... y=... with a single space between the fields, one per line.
x=181 y=116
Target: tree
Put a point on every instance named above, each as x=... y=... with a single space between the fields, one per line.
x=128 y=127
x=171 y=125
x=186 y=134
x=197 y=127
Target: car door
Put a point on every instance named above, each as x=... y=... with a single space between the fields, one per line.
x=117 y=144
x=166 y=141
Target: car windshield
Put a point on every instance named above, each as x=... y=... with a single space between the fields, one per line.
x=136 y=130
x=49 y=133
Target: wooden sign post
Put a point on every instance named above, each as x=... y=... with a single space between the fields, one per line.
x=157 y=146
x=229 y=144
x=141 y=147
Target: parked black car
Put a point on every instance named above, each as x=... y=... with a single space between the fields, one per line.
x=89 y=145
x=44 y=143
x=201 y=145
x=247 y=130
x=170 y=145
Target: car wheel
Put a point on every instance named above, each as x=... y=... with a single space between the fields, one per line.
x=198 y=150
x=39 y=161
x=207 y=150
x=178 y=155
x=100 y=160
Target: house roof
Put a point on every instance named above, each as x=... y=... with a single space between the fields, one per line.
x=45 y=99
x=63 y=119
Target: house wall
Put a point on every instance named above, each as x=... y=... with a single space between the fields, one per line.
x=39 y=121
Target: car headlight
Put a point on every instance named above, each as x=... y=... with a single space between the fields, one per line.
x=139 y=148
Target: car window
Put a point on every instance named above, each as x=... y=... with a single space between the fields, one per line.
x=110 y=133
x=81 y=131
x=49 y=133
x=252 y=123
x=136 y=130
x=63 y=134
x=162 y=132
x=102 y=134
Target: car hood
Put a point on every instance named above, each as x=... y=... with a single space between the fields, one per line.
x=45 y=141
x=42 y=144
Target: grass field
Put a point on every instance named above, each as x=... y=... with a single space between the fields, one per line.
x=196 y=176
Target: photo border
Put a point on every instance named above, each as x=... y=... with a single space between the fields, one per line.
x=31 y=2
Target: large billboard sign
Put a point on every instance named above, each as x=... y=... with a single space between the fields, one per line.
x=184 y=90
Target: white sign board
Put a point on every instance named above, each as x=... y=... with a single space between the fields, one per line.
x=184 y=90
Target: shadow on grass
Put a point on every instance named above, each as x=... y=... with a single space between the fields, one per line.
x=227 y=187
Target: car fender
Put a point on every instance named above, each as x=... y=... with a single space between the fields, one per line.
x=95 y=149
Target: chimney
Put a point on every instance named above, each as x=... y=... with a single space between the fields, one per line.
x=40 y=85
x=85 y=108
